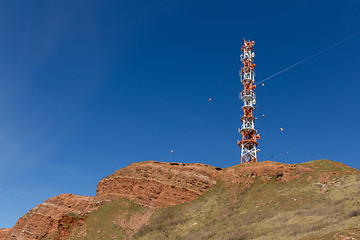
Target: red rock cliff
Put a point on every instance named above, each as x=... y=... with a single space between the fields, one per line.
x=43 y=219
x=3 y=232
x=150 y=184
x=155 y=184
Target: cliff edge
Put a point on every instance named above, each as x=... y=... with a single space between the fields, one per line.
x=130 y=202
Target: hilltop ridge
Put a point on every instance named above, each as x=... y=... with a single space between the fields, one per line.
x=158 y=200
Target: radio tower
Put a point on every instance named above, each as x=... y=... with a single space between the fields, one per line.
x=248 y=143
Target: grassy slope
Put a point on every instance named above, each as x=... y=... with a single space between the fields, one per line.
x=103 y=223
x=297 y=209
x=273 y=210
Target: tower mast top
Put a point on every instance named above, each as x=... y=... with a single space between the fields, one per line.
x=249 y=140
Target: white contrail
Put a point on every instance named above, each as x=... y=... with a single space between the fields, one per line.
x=310 y=57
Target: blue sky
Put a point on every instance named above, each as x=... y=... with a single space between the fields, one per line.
x=88 y=87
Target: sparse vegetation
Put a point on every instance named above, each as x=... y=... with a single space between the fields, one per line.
x=300 y=208
x=267 y=210
x=102 y=223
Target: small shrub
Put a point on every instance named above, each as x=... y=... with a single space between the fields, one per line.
x=354 y=213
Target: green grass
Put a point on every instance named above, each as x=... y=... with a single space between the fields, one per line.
x=101 y=223
x=324 y=165
x=272 y=210
x=297 y=209
x=51 y=236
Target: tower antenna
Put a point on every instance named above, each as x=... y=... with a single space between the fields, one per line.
x=249 y=140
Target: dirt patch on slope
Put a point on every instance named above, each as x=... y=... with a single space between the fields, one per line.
x=244 y=174
x=133 y=222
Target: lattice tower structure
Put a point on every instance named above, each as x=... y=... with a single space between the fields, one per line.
x=249 y=143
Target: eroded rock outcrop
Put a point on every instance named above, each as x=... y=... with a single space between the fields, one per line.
x=3 y=232
x=244 y=173
x=43 y=220
x=150 y=184
x=68 y=223
x=155 y=184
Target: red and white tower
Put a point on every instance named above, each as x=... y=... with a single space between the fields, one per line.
x=249 y=140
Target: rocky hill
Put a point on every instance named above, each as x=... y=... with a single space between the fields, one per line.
x=154 y=200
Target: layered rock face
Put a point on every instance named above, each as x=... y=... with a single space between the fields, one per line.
x=155 y=184
x=3 y=232
x=43 y=219
x=150 y=184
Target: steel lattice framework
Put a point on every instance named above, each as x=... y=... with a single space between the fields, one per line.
x=249 y=140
